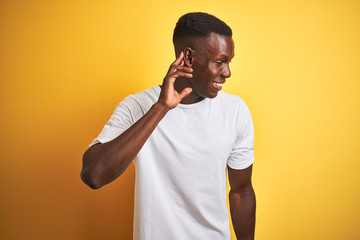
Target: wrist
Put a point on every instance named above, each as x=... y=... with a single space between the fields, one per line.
x=161 y=107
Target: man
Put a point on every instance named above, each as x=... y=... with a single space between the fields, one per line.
x=182 y=136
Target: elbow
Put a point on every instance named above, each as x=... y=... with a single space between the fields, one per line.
x=236 y=194
x=91 y=180
x=96 y=170
x=90 y=171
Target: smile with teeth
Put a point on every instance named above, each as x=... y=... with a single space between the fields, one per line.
x=217 y=84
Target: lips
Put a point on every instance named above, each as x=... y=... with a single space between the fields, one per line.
x=217 y=85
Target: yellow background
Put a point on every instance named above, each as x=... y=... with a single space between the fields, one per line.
x=64 y=65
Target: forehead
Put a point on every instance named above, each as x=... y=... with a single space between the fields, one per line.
x=217 y=45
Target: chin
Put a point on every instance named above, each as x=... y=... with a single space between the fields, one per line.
x=207 y=94
x=211 y=95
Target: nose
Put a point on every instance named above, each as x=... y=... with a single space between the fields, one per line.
x=226 y=73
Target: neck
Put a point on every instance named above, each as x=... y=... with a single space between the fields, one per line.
x=182 y=83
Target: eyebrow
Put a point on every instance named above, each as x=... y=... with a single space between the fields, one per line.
x=226 y=57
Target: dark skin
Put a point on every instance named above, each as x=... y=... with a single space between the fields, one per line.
x=242 y=203
x=197 y=73
x=210 y=60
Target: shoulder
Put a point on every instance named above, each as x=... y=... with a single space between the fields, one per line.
x=139 y=103
x=235 y=108
x=148 y=95
x=144 y=99
x=240 y=113
x=232 y=102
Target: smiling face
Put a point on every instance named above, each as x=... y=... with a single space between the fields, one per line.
x=211 y=58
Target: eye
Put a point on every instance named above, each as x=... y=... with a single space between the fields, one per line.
x=219 y=63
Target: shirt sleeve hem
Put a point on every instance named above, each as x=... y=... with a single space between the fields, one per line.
x=239 y=166
x=99 y=140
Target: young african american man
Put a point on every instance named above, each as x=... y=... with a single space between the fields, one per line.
x=182 y=137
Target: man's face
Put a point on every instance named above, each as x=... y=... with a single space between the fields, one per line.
x=211 y=65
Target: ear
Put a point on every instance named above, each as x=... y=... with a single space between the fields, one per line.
x=188 y=57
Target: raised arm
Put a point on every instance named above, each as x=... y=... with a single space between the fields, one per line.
x=242 y=203
x=103 y=163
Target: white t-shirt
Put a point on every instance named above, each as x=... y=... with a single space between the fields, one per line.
x=180 y=189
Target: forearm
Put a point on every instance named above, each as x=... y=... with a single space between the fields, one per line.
x=242 y=209
x=103 y=163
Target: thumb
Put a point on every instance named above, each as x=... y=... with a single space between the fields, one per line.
x=185 y=92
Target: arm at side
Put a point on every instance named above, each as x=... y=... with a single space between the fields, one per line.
x=242 y=203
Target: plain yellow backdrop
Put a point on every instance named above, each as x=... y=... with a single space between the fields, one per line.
x=64 y=65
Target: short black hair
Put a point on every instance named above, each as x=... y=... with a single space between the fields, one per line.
x=199 y=24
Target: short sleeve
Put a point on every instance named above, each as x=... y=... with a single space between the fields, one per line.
x=121 y=119
x=126 y=113
x=242 y=155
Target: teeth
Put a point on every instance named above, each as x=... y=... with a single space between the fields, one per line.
x=218 y=84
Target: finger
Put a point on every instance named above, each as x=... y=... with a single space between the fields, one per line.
x=182 y=62
x=172 y=77
x=180 y=68
x=184 y=69
x=179 y=59
x=184 y=74
x=185 y=92
x=178 y=62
